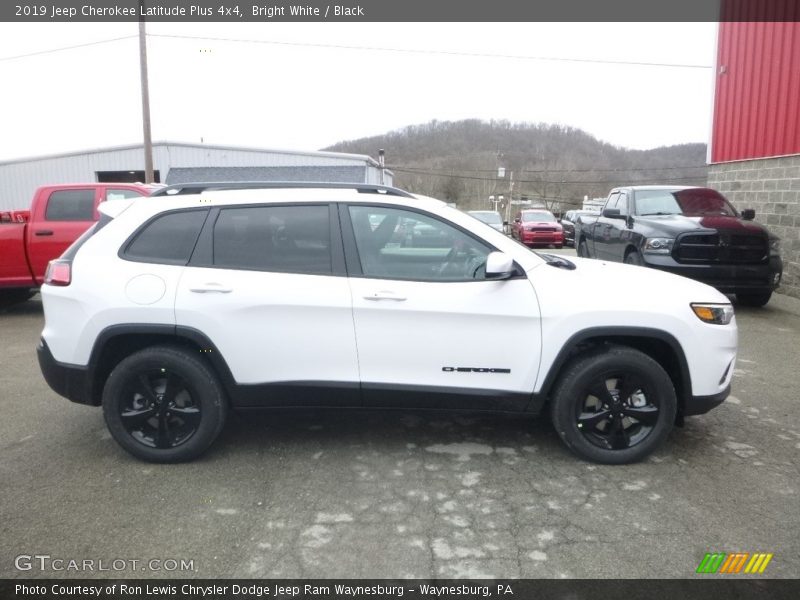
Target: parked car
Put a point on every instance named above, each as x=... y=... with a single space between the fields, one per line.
x=689 y=231
x=491 y=217
x=568 y=224
x=537 y=227
x=59 y=214
x=171 y=313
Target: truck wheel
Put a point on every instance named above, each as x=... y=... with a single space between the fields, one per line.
x=614 y=405
x=9 y=298
x=634 y=258
x=163 y=404
x=583 y=250
x=753 y=299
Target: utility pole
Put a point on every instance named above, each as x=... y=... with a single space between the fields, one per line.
x=148 y=141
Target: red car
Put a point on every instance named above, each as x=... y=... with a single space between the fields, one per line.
x=537 y=227
x=59 y=214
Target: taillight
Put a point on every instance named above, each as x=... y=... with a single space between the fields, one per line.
x=59 y=272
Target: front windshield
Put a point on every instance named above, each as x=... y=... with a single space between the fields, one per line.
x=690 y=202
x=538 y=217
x=491 y=218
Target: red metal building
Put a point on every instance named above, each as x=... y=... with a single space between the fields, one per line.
x=757 y=95
x=754 y=153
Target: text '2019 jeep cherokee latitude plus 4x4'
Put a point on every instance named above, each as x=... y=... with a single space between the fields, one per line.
x=171 y=311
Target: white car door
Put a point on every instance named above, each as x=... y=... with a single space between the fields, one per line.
x=431 y=330
x=267 y=286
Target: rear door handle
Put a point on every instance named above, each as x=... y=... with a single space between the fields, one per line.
x=385 y=295
x=43 y=232
x=211 y=287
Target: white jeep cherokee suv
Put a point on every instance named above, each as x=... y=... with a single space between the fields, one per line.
x=174 y=309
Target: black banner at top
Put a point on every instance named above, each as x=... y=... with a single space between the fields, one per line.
x=396 y=10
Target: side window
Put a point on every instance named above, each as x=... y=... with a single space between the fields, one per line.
x=121 y=194
x=168 y=239
x=613 y=201
x=293 y=239
x=622 y=204
x=399 y=244
x=70 y=205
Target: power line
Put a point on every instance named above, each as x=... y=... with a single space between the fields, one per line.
x=62 y=48
x=590 y=170
x=428 y=51
x=536 y=181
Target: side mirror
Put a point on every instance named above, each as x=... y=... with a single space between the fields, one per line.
x=499 y=265
x=517 y=220
x=748 y=214
x=612 y=213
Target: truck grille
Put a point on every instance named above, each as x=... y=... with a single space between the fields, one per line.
x=541 y=228
x=721 y=248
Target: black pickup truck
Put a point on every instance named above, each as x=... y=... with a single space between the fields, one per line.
x=689 y=231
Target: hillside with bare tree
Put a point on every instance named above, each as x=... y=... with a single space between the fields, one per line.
x=552 y=165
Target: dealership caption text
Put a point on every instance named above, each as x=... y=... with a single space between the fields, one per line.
x=276 y=590
x=266 y=11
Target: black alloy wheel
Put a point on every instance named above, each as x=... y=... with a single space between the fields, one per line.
x=613 y=404
x=164 y=404
x=158 y=409
x=615 y=412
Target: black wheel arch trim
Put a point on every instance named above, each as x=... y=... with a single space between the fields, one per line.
x=613 y=334
x=95 y=370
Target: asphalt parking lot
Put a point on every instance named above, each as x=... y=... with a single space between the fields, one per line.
x=398 y=494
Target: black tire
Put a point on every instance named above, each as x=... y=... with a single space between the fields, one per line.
x=9 y=298
x=624 y=401
x=559 y=246
x=163 y=404
x=583 y=250
x=753 y=298
x=634 y=258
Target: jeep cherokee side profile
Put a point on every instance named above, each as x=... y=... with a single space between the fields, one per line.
x=169 y=312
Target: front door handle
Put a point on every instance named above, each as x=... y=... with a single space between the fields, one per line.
x=211 y=287
x=43 y=232
x=385 y=295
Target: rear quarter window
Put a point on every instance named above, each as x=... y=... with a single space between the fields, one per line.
x=168 y=239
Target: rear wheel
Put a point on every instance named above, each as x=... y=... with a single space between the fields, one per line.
x=164 y=404
x=614 y=405
x=753 y=299
x=583 y=249
x=9 y=298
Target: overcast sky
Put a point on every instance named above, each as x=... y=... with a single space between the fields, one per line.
x=304 y=93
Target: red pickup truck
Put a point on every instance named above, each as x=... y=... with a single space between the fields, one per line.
x=59 y=214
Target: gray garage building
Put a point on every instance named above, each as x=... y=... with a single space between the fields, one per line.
x=175 y=162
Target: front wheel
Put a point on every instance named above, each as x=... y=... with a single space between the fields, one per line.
x=634 y=258
x=753 y=299
x=614 y=405
x=163 y=404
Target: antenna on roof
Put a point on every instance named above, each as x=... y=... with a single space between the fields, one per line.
x=381 y=162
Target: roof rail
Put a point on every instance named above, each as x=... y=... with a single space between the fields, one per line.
x=198 y=188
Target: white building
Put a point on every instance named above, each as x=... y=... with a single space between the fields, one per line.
x=175 y=162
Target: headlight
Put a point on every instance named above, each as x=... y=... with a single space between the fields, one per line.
x=658 y=245
x=718 y=314
x=775 y=246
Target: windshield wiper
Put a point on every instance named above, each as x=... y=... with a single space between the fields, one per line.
x=657 y=213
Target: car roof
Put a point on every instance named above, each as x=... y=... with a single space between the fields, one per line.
x=674 y=188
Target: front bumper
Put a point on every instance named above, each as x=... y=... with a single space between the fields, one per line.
x=70 y=381
x=542 y=237
x=699 y=405
x=728 y=279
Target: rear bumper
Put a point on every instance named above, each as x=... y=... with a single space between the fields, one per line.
x=699 y=405
x=70 y=381
x=728 y=279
